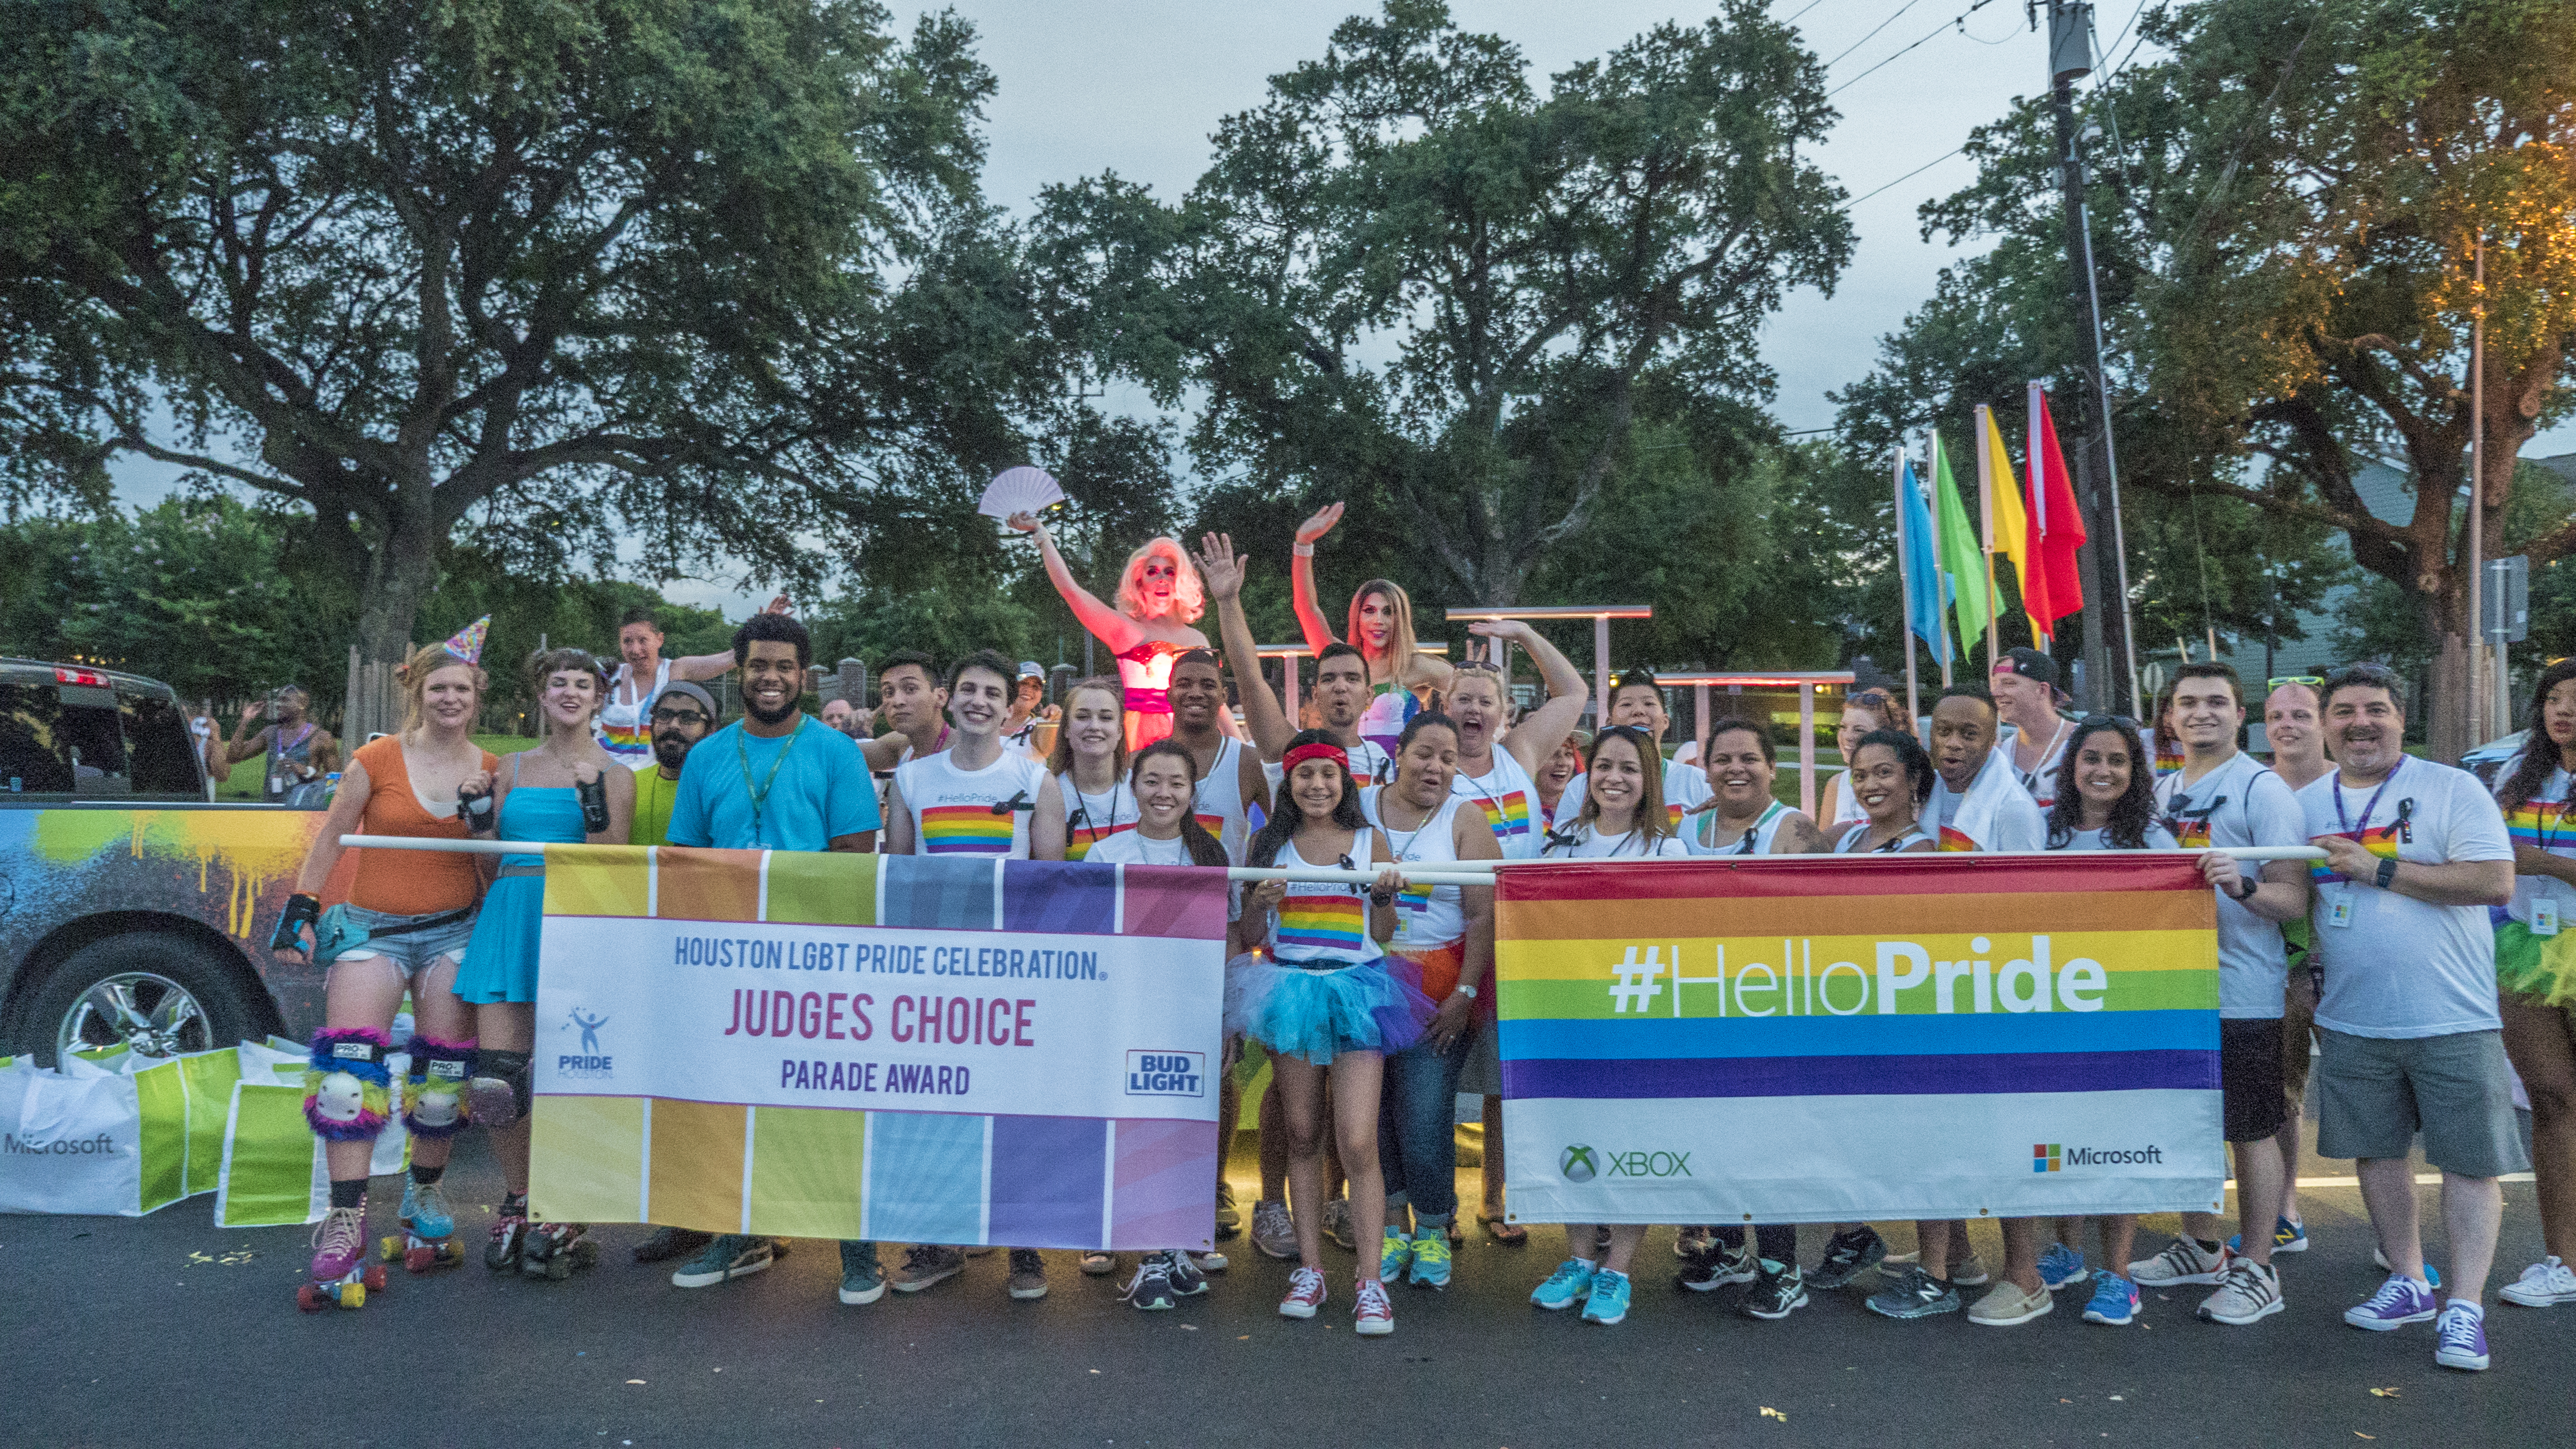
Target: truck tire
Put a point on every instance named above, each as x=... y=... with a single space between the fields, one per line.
x=153 y=991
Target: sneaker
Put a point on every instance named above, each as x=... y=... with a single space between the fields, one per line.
x=2061 y=1266
x=1305 y=1294
x=2287 y=1237
x=1097 y=1264
x=2182 y=1261
x=667 y=1243
x=2006 y=1304
x=1431 y=1259
x=1187 y=1281
x=2542 y=1284
x=1337 y=1225
x=1718 y=1268
x=1151 y=1289
x=2250 y=1292
x=2379 y=1260
x=1210 y=1261
x=862 y=1281
x=1394 y=1253
x=1027 y=1282
x=1273 y=1231
x=1229 y=1218
x=1970 y=1272
x=1570 y=1284
x=2462 y=1332
x=1780 y=1291
x=1916 y=1295
x=1847 y=1256
x=2115 y=1300
x=2401 y=1300
x=925 y=1264
x=725 y=1257
x=1373 y=1313
x=1693 y=1243
x=1607 y=1303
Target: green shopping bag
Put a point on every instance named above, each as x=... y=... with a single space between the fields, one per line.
x=273 y=1171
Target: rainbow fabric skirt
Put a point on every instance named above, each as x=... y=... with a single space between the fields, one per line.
x=2539 y=969
x=1375 y=1006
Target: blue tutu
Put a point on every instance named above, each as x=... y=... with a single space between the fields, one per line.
x=1375 y=1006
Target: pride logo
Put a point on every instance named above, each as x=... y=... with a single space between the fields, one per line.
x=965 y=830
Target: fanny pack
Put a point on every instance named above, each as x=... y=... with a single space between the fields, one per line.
x=336 y=934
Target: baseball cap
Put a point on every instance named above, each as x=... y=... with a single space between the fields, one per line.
x=1029 y=670
x=2029 y=664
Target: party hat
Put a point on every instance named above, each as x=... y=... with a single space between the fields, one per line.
x=468 y=643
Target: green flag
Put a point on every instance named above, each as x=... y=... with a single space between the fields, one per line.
x=1961 y=558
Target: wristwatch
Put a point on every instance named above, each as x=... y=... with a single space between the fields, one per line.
x=2251 y=885
x=2387 y=874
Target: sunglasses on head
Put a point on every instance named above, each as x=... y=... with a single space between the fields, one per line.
x=2312 y=681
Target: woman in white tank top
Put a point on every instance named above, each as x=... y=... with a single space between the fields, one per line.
x=1743 y=817
x=1090 y=768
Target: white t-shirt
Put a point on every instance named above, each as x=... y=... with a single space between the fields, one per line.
x=971 y=812
x=2402 y=967
x=1092 y=819
x=1683 y=789
x=2158 y=838
x=2239 y=803
x=1128 y=847
x=2012 y=819
x=2541 y=822
x=2041 y=780
x=1589 y=844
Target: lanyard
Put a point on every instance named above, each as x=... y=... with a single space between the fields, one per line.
x=2366 y=810
x=760 y=795
x=1082 y=810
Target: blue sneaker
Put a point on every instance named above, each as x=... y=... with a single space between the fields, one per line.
x=1431 y=1259
x=2463 y=1334
x=1570 y=1284
x=2061 y=1265
x=729 y=1255
x=2400 y=1301
x=1608 y=1302
x=2114 y=1301
x=862 y=1281
x=1394 y=1255
x=2287 y=1237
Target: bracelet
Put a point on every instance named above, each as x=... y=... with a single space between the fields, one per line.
x=1304 y=550
x=1467 y=989
x=2387 y=874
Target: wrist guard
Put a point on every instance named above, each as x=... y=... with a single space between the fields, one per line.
x=301 y=910
x=475 y=809
x=593 y=795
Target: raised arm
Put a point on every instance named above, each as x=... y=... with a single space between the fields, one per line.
x=1535 y=738
x=1301 y=578
x=1262 y=717
x=1106 y=624
x=699 y=668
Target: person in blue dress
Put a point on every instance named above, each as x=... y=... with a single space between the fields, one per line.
x=565 y=791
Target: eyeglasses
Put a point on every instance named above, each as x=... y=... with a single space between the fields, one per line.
x=2312 y=681
x=679 y=716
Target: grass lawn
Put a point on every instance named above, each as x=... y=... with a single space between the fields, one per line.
x=244 y=782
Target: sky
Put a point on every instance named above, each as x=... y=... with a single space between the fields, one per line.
x=1137 y=87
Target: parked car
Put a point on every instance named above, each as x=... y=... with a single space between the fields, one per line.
x=135 y=909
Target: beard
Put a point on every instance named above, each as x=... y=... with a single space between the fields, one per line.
x=751 y=706
x=670 y=749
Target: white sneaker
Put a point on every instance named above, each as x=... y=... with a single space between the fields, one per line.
x=2250 y=1293
x=2542 y=1284
x=2182 y=1261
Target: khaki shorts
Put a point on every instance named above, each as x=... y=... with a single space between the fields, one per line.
x=2376 y=1093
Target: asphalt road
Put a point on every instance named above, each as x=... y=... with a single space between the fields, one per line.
x=163 y=1332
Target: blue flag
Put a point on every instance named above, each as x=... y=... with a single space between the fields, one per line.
x=1927 y=589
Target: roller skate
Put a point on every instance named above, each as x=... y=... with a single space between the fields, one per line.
x=502 y=1251
x=341 y=1277
x=429 y=1231
x=552 y=1250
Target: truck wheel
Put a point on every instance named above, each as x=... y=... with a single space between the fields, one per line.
x=154 y=993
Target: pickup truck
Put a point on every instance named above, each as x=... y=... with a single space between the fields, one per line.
x=134 y=909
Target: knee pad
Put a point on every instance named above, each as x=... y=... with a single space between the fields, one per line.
x=434 y=1096
x=510 y=1067
x=348 y=1094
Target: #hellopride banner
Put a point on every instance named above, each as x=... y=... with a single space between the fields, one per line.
x=1919 y=1036
x=907 y=1048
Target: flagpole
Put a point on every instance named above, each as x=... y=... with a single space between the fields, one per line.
x=1986 y=529
x=1904 y=588
x=1947 y=612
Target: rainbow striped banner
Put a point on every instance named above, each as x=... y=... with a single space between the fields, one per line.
x=857 y=1046
x=1785 y=1040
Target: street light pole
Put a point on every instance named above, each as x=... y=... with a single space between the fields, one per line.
x=2477 y=621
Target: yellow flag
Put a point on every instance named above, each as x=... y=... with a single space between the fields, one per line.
x=1999 y=494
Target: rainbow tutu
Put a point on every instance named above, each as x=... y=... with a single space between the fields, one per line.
x=2539 y=969
x=1375 y=1006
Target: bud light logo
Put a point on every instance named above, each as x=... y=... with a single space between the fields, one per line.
x=1166 y=1074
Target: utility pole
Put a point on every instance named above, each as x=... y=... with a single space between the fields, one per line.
x=2113 y=662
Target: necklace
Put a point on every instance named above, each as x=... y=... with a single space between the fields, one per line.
x=760 y=794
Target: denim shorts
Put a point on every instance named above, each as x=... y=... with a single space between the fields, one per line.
x=412 y=951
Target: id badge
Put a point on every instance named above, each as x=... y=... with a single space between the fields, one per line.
x=2544 y=917
x=2339 y=910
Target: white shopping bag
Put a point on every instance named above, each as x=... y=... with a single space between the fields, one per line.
x=69 y=1143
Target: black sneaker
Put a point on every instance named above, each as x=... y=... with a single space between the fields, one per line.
x=1028 y=1275
x=1779 y=1292
x=1916 y=1295
x=1187 y=1281
x=1151 y=1288
x=1717 y=1268
x=1847 y=1256
x=668 y=1243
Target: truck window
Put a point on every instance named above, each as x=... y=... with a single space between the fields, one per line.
x=93 y=738
x=32 y=758
x=157 y=741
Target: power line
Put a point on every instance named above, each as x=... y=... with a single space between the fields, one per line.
x=1873 y=33
x=1803 y=9
x=1959 y=20
x=1908 y=176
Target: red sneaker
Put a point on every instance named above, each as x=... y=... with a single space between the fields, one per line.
x=1305 y=1294
x=1372 y=1316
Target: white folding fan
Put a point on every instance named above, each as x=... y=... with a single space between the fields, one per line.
x=1020 y=490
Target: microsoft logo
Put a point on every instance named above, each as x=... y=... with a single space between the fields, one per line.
x=2046 y=1157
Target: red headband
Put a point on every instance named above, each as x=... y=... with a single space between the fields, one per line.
x=1303 y=753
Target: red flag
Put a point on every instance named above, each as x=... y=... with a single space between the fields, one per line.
x=2056 y=524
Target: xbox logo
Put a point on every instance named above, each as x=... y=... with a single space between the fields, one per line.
x=1577 y=1164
